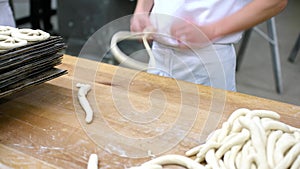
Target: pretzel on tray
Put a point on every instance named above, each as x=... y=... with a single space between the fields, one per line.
x=30 y=34
x=7 y=42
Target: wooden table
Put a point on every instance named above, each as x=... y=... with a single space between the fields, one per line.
x=43 y=126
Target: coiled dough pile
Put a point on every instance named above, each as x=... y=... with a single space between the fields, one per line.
x=248 y=139
x=12 y=37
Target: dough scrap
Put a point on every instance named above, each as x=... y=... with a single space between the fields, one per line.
x=93 y=162
x=82 y=92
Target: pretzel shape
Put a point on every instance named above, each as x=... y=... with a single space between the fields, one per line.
x=7 y=42
x=30 y=35
x=6 y=30
x=122 y=57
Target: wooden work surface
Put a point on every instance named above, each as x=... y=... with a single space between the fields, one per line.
x=135 y=114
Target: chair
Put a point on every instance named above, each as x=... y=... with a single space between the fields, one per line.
x=295 y=50
x=271 y=37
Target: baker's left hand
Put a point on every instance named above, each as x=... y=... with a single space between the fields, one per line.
x=190 y=35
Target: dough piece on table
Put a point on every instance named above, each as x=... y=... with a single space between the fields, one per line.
x=93 y=162
x=82 y=92
x=172 y=160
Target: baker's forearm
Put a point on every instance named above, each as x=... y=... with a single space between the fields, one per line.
x=252 y=14
x=140 y=19
x=143 y=6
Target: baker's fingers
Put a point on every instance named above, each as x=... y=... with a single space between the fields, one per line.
x=139 y=22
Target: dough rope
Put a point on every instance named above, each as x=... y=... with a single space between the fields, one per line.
x=30 y=34
x=93 y=162
x=248 y=139
x=124 y=58
x=174 y=160
x=147 y=32
x=82 y=92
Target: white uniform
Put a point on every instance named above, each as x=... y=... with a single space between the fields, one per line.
x=6 y=16
x=212 y=65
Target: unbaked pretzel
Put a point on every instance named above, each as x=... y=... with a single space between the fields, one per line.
x=7 y=42
x=30 y=34
x=6 y=30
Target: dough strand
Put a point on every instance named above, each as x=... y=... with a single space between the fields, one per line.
x=250 y=140
x=82 y=92
x=93 y=162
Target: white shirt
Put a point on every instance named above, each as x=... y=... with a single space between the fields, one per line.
x=202 y=12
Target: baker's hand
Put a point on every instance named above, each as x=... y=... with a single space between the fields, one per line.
x=188 y=34
x=139 y=22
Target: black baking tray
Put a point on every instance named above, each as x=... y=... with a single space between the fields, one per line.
x=28 y=70
x=30 y=65
x=35 y=46
x=28 y=57
x=32 y=81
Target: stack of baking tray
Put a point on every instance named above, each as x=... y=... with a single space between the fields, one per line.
x=30 y=65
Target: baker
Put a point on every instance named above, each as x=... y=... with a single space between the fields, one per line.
x=6 y=16
x=194 y=38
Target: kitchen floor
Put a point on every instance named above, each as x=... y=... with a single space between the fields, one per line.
x=255 y=76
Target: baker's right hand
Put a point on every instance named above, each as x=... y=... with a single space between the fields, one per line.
x=139 y=22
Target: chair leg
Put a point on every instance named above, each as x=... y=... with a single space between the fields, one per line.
x=295 y=50
x=242 y=48
x=275 y=54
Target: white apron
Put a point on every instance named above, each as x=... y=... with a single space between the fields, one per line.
x=212 y=65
